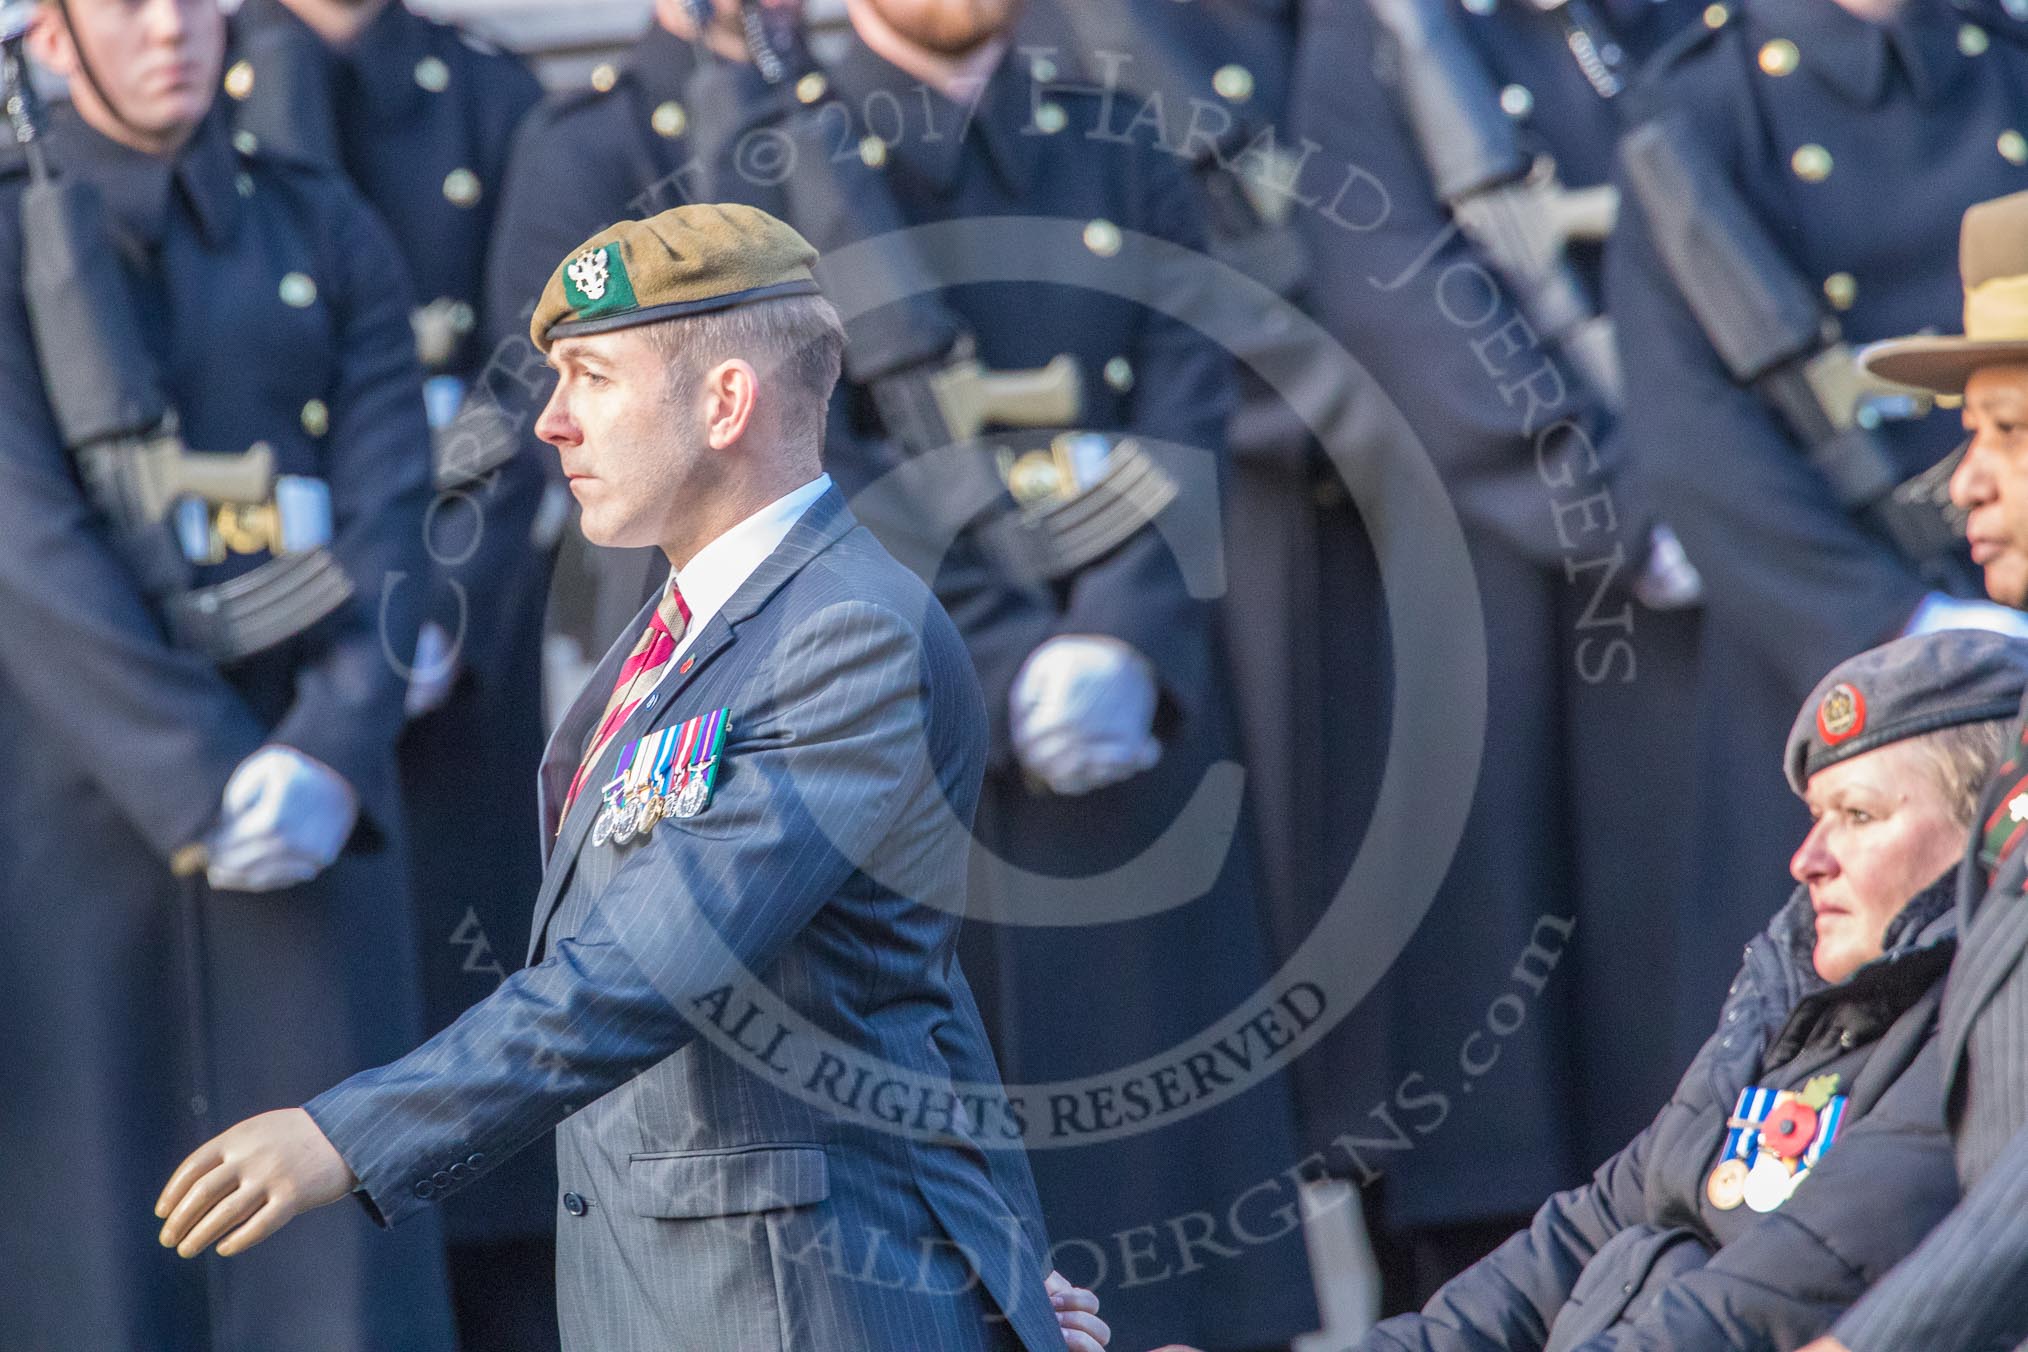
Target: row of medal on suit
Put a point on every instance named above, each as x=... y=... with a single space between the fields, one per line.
x=666 y=774
x=1772 y=1140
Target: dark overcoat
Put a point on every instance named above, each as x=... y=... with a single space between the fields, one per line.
x=149 y=1013
x=421 y=117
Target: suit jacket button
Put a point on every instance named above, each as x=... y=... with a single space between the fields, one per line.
x=574 y=1204
x=460 y=1172
x=475 y=1159
x=441 y=1178
x=424 y=1190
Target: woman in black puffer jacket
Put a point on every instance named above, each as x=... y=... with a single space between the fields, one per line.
x=1755 y=1208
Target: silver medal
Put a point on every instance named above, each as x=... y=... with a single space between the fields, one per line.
x=602 y=826
x=1768 y=1183
x=690 y=800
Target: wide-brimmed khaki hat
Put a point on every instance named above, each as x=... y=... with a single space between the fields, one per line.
x=1993 y=261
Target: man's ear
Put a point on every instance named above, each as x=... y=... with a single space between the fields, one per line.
x=731 y=389
x=50 y=42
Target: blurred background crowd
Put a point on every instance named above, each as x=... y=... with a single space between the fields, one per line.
x=1409 y=428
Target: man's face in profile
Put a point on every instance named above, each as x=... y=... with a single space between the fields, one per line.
x=1991 y=483
x=631 y=441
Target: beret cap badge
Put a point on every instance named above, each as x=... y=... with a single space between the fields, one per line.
x=1842 y=714
x=688 y=260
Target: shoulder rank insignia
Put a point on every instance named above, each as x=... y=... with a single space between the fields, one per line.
x=666 y=774
x=1773 y=1139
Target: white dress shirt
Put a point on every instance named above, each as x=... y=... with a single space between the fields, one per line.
x=722 y=567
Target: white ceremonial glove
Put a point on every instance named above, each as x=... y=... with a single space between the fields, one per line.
x=1083 y=711
x=1939 y=611
x=434 y=672
x=1668 y=581
x=285 y=818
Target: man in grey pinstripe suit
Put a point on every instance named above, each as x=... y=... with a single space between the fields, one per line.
x=1966 y=1288
x=778 y=1122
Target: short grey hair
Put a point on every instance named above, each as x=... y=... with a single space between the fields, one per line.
x=798 y=341
x=1963 y=757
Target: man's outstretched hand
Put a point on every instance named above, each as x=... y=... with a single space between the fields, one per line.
x=248 y=1182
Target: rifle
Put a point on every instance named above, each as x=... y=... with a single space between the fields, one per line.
x=1773 y=335
x=116 y=422
x=913 y=354
x=1509 y=203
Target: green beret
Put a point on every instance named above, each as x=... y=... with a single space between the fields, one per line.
x=686 y=261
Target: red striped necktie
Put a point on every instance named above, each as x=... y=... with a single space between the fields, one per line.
x=637 y=677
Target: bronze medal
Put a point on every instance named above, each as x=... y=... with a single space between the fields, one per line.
x=1726 y=1187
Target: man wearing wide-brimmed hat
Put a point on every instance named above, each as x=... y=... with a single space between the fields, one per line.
x=1963 y=1288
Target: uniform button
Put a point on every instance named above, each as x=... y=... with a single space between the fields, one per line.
x=604 y=76
x=872 y=152
x=441 y=1178
x=1516 y=102
x=812 y=87
x=1119 y=374
x=1102 y=237
x=316 y=418
x=298 y=291
x=245 y=142
x=1042 y=70
x=1811 y=162
x=2013 y=147
x=433 y=75
x=1972 y=40
x=1716 y=16
x=1051 y=118
x=424 y=1190
x=669 y=120
x=1482 y=7
x=574 y=1204
x=461 y=187
x=239 y=81
x=1841 y=289
x=1779 y=57
x=1845 y=1038
x=1233 y=83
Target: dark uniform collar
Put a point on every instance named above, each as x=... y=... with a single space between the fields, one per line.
x=141 y=190
x=382 y=63
x=661 y=64
x=379 y=65
x=1861 y=59
x=1002 y=122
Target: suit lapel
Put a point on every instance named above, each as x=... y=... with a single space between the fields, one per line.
x=1992 y=923
x=825 y=521
x=1989 y=948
